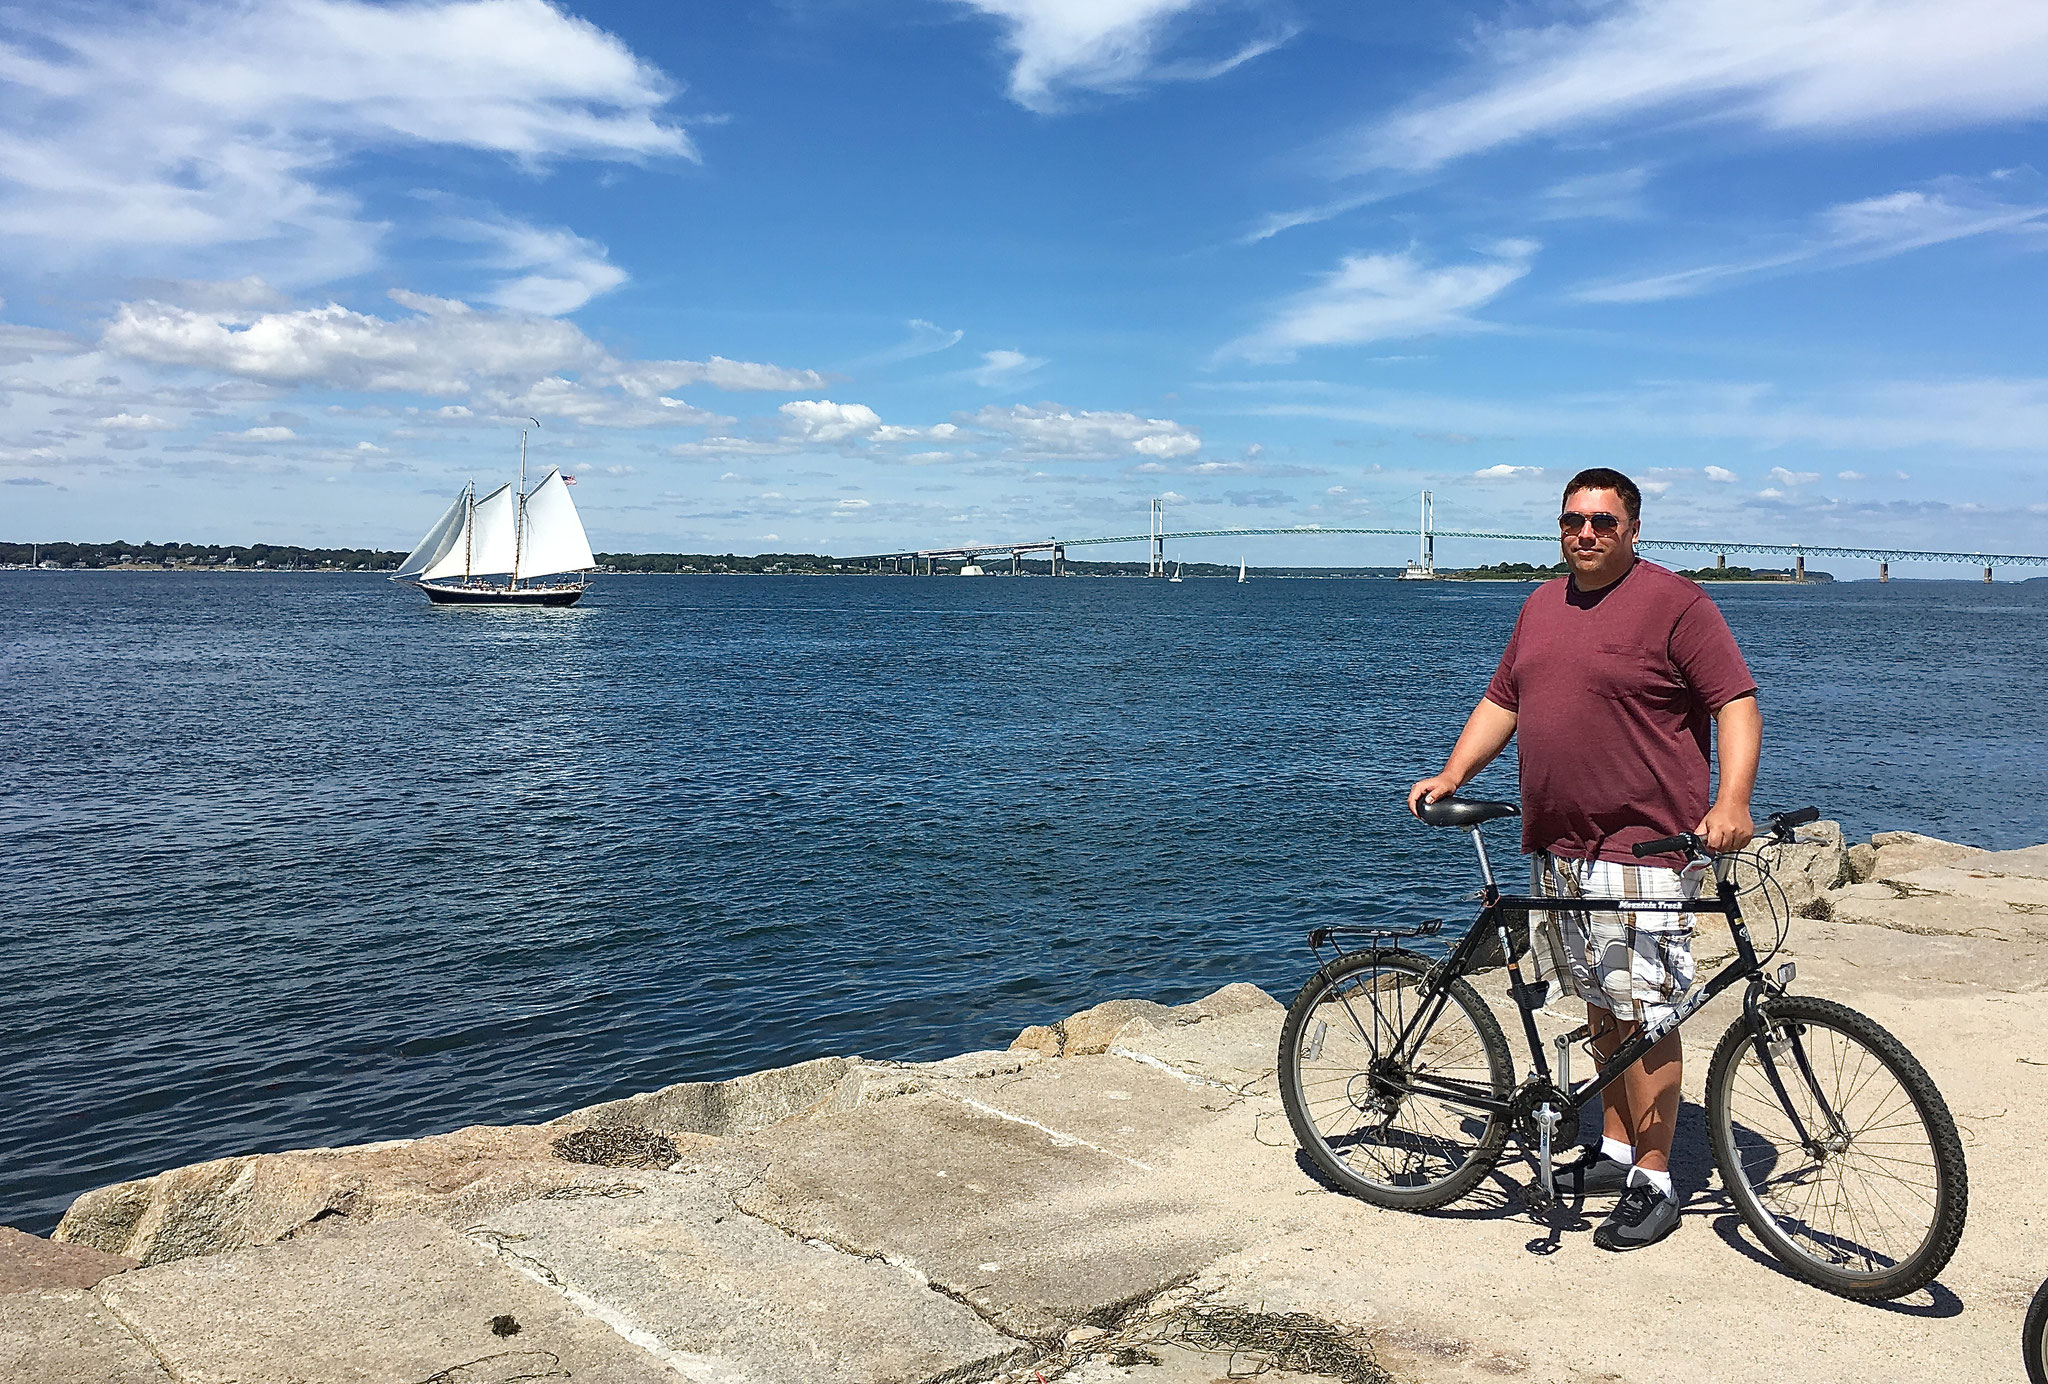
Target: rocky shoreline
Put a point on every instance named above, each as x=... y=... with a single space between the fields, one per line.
x=1115 y=1195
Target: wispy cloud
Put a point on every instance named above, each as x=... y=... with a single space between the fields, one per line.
x=1976 y=415
x=1874 y=228
x=1106 y=46
x=1004 y=369
x=1384 y=298
x=548 y=270
x=1802 y=66
x=189 y=127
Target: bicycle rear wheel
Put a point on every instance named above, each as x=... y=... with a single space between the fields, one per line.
x=1402 y=1125
x=1870 y=1203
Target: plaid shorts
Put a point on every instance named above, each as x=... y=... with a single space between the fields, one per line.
x=1634 y=965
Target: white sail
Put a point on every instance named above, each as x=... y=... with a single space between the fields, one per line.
x=1240 y=569
x=454 y=559
x=554 y=540
x=490 y=533
x=440 y=538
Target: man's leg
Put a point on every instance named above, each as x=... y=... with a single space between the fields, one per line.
x=1651 y=1087
x=1617 y=1120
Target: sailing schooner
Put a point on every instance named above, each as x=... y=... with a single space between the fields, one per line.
x=515 y=535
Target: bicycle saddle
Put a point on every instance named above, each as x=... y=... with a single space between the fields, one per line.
x=1463 y=812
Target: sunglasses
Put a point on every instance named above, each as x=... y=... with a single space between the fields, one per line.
x=1571 y=522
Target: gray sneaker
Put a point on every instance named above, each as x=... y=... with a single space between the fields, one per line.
x=1591 y=1174
x=1642 y=1217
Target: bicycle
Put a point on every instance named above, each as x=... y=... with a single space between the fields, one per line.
x=2034 y=1337
x=1831 y=1140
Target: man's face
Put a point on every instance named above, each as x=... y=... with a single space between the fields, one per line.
x=1595 y=557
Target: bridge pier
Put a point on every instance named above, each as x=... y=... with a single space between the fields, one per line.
x=1059 y=555
x=1799 y=567
x=1884 y=571
x=1721 y=561
x=1987 y=576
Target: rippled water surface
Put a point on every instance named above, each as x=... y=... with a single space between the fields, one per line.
x=299 y=860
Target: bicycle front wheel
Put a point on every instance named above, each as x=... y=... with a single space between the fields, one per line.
x=1848 y=1167
x=1395 y=1087
x=2034 y=1338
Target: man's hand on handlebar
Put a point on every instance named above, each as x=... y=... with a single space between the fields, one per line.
x=1726 y=827
x=1429 y=790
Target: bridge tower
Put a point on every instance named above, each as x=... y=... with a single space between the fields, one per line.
x=1428 y=535
x=1158 y=568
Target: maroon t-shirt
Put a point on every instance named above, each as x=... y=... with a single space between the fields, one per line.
x=1614 y=693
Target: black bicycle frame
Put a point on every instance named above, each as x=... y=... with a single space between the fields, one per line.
x=1492 y=924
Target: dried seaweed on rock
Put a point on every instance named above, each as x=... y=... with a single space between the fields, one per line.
x=617 y=1146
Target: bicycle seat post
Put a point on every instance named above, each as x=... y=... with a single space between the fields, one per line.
x=1485 y=866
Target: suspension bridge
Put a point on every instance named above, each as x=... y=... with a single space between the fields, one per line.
x=1424 y=535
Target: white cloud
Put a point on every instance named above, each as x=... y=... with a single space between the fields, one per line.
x=1785 y=477
x=1506 y=472
x=134 y=422
x=821 y=420
x=1383 y=298
x=505 y=363
x=264 y=435
x=551 y=271
x=192 y=126
x=1814 y=67
x=1851 y=233
x=1721 y=475
x=1000 y=369
x=854 y=504
x=1108 y=46
x=1849 y=475
x=1048 y=432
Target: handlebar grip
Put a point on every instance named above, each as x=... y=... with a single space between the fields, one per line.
x=1685 y=841
x=1799 y=817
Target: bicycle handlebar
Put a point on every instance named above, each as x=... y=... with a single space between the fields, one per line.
x=1778 y=827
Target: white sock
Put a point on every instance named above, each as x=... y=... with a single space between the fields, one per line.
x=1660 y=1181
x=1618 y=1151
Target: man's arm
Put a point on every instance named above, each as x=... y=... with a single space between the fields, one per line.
x=1487 y=732
x=1739 y=742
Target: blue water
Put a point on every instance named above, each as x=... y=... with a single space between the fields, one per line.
x=299 y=860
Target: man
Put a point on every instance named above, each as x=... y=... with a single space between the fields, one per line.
x=1612 y=679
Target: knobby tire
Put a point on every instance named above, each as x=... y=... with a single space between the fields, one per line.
x=1877 y=1211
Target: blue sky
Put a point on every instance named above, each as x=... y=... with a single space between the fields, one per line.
x=842 y=277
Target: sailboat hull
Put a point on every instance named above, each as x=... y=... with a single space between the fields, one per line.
x=501 y=595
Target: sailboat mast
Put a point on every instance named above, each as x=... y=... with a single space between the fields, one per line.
x=468 y=529
x=519 y=520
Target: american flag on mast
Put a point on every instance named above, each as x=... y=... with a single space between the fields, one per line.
x=568 y=480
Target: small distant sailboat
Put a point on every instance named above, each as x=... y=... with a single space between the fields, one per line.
x=1176 y=573
x=482 y=550
x=1240 y=571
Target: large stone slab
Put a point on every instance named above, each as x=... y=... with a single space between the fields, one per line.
x=1136 y=1110
x=743 y=1300
x=69 y=1337
x=1239 y=1052
x=1095 y=1029
x=233 y=1203
x=1034 y=1227
x=29 y=1261
x=402 y=1301
x=739 y=1105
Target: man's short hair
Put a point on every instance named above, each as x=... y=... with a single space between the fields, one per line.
x=1606 y=478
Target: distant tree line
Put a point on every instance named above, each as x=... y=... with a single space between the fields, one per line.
x=994 y=564
x=268 y=555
